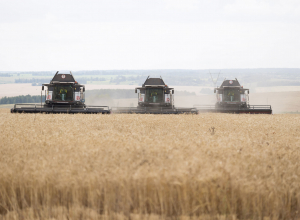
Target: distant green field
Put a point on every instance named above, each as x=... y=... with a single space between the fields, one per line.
x=5 y=80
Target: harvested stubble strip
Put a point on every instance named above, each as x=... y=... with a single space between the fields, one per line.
x=141 y=165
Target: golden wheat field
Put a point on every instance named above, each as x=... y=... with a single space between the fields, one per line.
x=207 y=166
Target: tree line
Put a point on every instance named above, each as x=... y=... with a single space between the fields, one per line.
x=39 y=82
x=33 y=80
x=22 y=99
x=5 y=75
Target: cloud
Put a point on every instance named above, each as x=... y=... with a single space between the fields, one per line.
x=264 y=10
x=47 y=35
x=182 y=5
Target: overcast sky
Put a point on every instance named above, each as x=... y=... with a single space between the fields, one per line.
x=74 y=35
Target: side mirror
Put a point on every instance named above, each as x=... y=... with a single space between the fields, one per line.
x=84 y=89
x=214 y=90
x=42 y=87
x=248 y=92
x=135 y=90
x=172 y=91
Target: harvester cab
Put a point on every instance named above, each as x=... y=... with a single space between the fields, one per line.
x=232 y=95
x=155 y=93
x=62 y=95
x=64 y=90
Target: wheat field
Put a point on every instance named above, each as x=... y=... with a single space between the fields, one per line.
x=207 y=166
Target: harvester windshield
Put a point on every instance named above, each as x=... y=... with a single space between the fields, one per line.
x=63 y=93
x=155 y=95
x=231 y=95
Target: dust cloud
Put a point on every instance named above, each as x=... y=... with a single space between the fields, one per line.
x=130 y=102
x=190 y=101
x=280 y=101
x=105 y=101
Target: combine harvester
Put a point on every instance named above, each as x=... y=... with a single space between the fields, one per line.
x=233 y=98
x=64 y=95
x=154 y=97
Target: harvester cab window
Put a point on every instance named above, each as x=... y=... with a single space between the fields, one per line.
x=231 y=95
x=154 y=95
x=63 y=93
